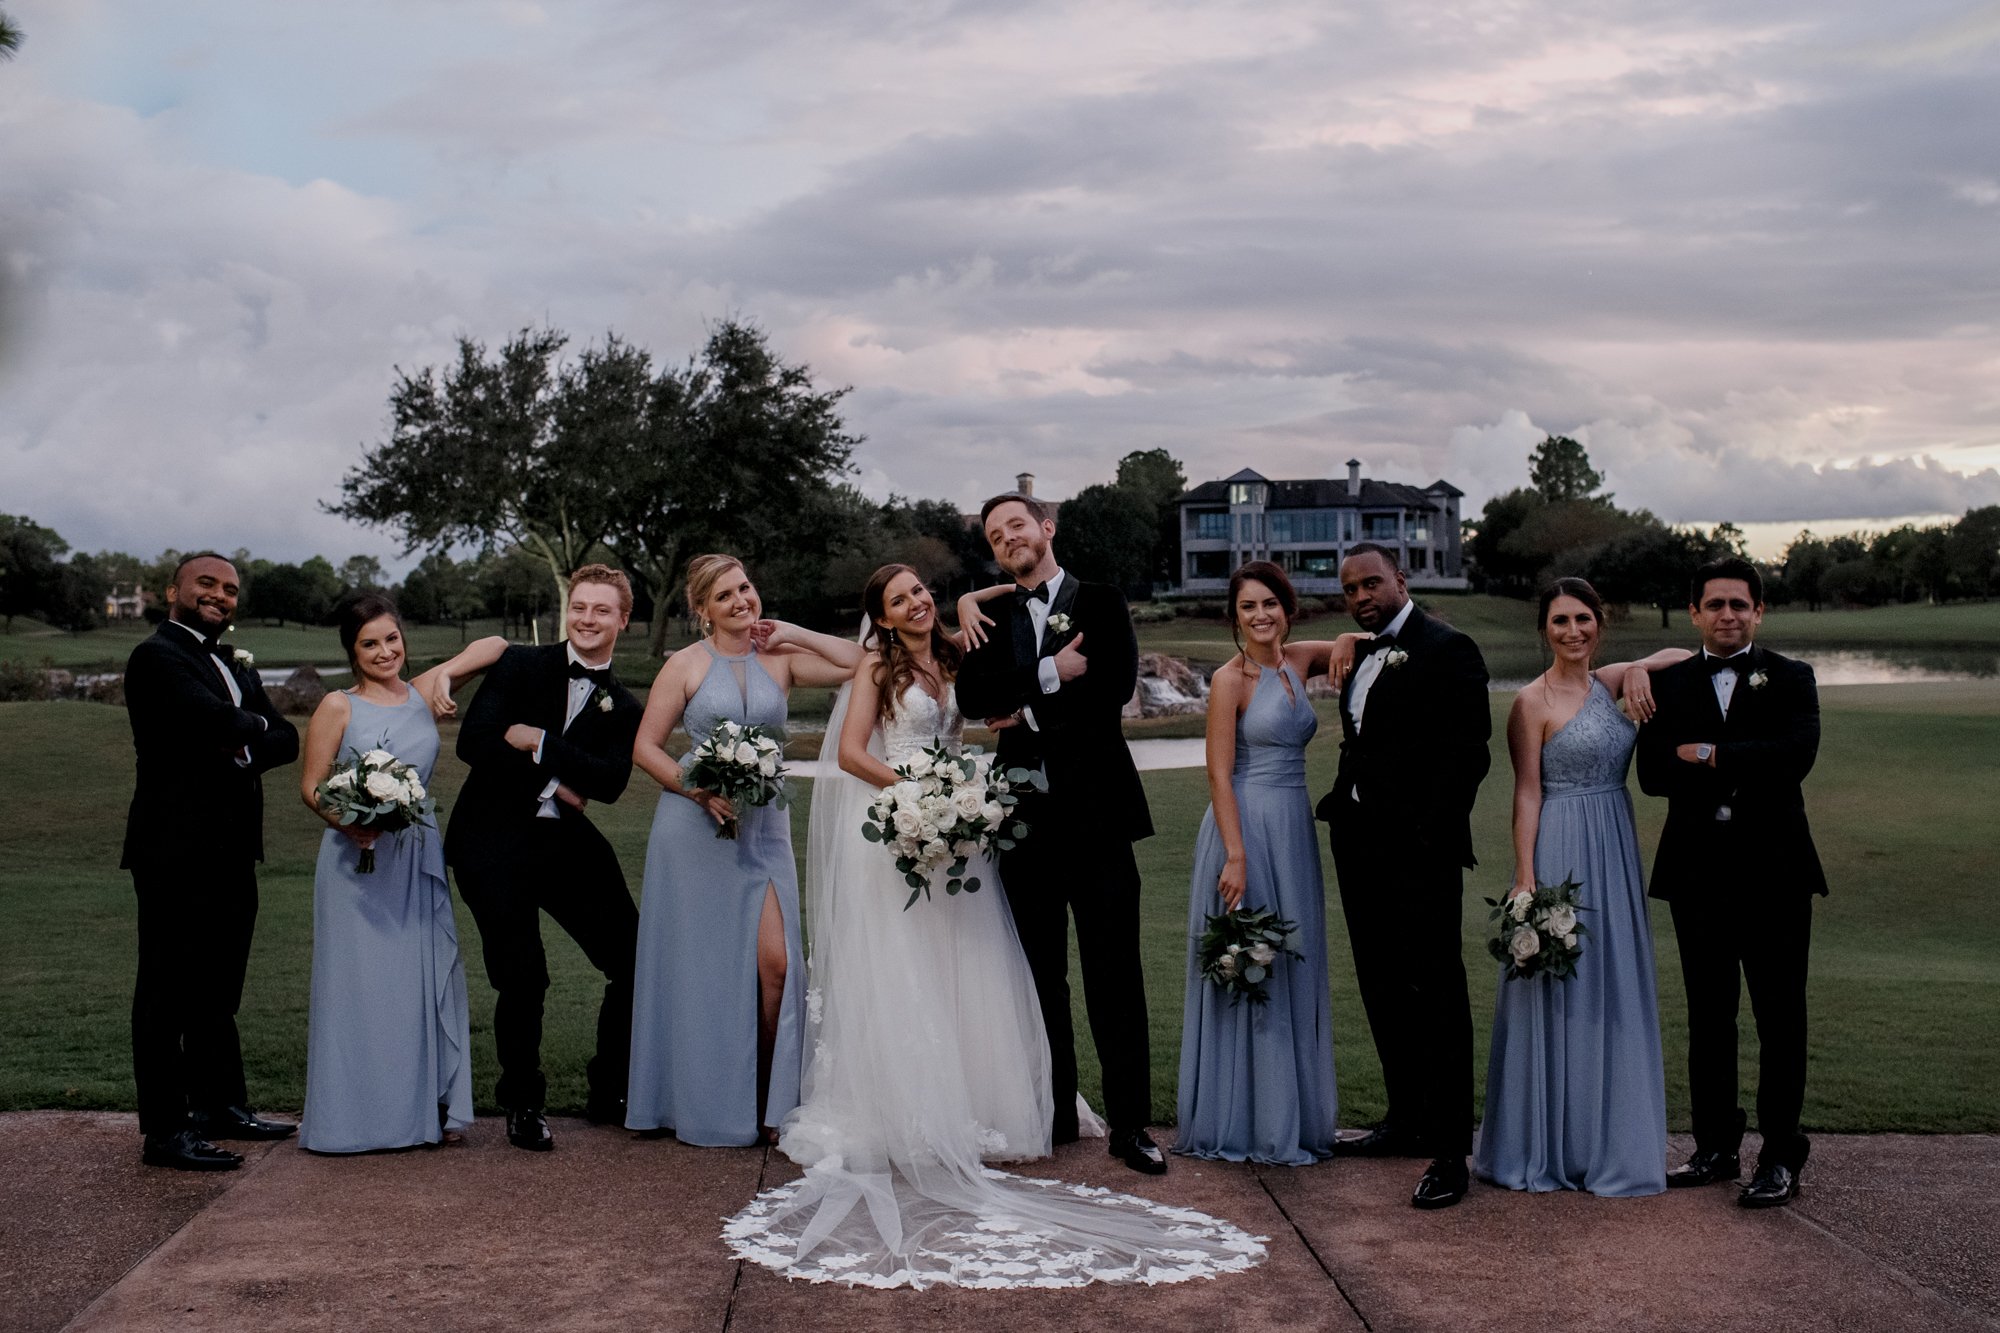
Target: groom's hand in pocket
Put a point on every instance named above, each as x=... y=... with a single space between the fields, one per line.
x=570 y=798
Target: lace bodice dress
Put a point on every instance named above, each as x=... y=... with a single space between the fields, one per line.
x=1575 y=1097
x=927 y=1057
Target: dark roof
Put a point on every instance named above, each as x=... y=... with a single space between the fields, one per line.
x=1443 y=487
x=1247 y=475
x=1319 y=493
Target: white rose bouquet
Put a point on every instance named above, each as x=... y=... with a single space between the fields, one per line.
x=379 y=791
x=943 y=810
x=1537 y=934
x=1240 y=948
x=745 y=764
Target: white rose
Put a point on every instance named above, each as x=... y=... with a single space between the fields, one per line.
x=1569 y=941
x=1518 y=909
x=604 y=704
x=1524 y=944
x=378 y=759
x=936 y=809
x=746 y=754
x=1562 y=920
x=383 y=787
x=415 y=788
x=908 y=822
x=768 y=765
x=907 y=794
x=930 y=785
x=966 y=802
x=1262 y=954
x=992 y=812
x=244 y=657
x=1226 y=965
x=341 y=781
x=944 y=768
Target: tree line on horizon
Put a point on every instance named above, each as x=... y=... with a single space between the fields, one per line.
x=1564 y=522
x=509 y=468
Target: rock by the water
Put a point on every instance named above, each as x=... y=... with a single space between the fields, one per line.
x=300 y=693
x=1167 y=687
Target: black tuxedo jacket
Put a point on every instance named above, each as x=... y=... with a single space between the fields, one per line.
x=1764 y=750
x=1081 y=741
x=1421 y=752
x=495 y=815
x=193 y=802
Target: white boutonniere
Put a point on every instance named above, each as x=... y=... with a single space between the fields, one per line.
x=244 y=657
x=1758 y=680
x=602 y=698
x=1395 y=657
x=1059 y=623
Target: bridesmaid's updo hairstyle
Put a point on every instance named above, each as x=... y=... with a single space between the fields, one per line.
x=704 y=572
x=354 y=612
x=1268 y=574
x=895 y=671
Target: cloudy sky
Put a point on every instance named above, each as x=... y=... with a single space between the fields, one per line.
x=1746 y=253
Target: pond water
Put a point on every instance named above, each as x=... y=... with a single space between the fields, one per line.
x=1846 y=666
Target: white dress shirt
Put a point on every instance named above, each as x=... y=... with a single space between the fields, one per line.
x=580 y=690
x=1045 y=669
x=1370 y=669
x=1725 y=681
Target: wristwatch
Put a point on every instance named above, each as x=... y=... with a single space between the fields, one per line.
x=1703 y=753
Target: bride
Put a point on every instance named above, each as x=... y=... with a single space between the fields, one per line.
x=926 y=1052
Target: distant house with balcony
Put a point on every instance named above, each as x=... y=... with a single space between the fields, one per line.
x=1305 y=527
x=126 y=602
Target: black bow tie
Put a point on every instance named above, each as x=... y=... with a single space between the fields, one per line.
x=598 y=676
x=1379 y=643
x=220 y=649
x=1739 y=664
x=1038 y=593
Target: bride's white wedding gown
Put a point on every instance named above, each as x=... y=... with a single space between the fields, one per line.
x=926 y=1059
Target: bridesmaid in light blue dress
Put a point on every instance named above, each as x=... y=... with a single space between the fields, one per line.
x=1256 y=1080
x=718 y=1013
x=1574 y=1090
x=387 y=1054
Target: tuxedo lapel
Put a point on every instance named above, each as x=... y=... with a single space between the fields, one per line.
x=1065 y=598
x=198 y=650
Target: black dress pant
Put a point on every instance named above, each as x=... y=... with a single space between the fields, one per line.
x=1764 y=945
x=195 y=924
x=1402 y=902
x=1065 y=867
x=567 y=869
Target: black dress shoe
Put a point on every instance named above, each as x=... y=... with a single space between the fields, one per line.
x=605 y=1111
x=236 y=1122
x=1137 y=1150
x=187 y=1151
x=1381 y=1141
x=529 y=1128
x=1443 y=1184
x=1771 y=1186
x=1705 y=1168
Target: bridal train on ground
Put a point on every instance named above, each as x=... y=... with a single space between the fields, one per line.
x=927 y=1060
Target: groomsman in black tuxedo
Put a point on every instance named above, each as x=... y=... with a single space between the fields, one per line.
x=1053 y=681
x=1413 y=751
x=205 y=733
x=1736 y=733
x=550 y=730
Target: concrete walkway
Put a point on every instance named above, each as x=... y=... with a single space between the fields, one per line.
x=612 y=1232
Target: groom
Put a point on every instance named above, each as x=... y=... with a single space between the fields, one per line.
x=1053 y=681
x=550 y=729
x=1736 y=733
x=1414 y=728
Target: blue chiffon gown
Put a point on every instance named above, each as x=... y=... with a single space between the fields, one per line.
x=1575 y=1097
x=1256 y=1080
x=694 y=1012
x=387 y=1063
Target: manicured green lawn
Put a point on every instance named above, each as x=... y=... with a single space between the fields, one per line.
x=1906 y=953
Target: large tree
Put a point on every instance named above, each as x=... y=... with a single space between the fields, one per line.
x=1106 y=533
x=1155 y=476
x=10 y=37
x=737 y=451
x=1559 y=469
x=484 y=450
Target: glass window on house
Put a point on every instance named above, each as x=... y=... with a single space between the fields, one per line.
x=1418 y=556
x=1211 y=525
x=1380 y=527
x=1208 y=564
